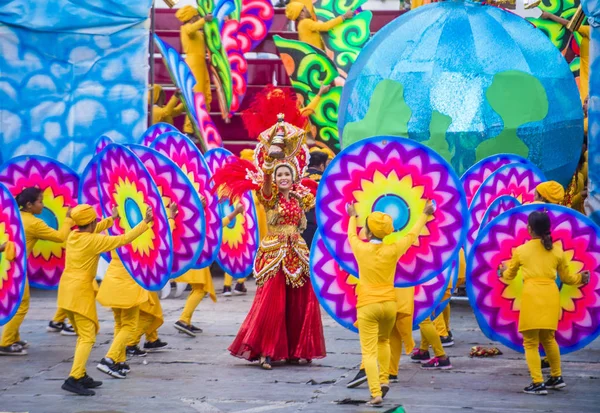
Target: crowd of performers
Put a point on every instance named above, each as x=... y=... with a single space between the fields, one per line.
x=284 y=321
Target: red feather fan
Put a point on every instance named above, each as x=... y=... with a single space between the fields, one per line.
x=262 y=113
x=236 y=178
x=311 y=185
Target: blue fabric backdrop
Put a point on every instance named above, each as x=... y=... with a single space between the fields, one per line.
x=71 y=71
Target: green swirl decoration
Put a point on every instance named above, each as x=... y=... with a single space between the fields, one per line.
x=325 y=118
x=347 y=40
x=307 y=66
x=237 y=13
x=205 y=7
x=329 y=9
x=219 y=61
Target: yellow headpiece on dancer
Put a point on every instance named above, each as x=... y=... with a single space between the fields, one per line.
x=247 y=155
x=156 y=89
x=551 y=191
x=380 y=224
x=186 y=13
x=294 y=8
x=83 y=215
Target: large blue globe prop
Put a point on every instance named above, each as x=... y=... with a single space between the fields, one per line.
x=469 y=81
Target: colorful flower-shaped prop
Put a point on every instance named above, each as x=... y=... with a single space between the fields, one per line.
x=155 y=131
x=396 y=176
x=181 y=150
x=336 y=289
x=102 y=143
x=188 y=229
x=12 y=273
x=125 y=183
x=239 y=240
x=478 y=173
x=497 y=302
x=428 y=296
x=500 y=205
x=59 y=184
x=518 y=181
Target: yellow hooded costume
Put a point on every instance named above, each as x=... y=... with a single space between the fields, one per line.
x=376 y=297
x=165 y=113
x=551 y=191
x=193 y=45
x=309 y=29
x=76 y=288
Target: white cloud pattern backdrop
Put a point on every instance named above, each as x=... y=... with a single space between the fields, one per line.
x=71 y=71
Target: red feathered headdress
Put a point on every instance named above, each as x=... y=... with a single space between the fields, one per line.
x=236 y=178
x=271 y=101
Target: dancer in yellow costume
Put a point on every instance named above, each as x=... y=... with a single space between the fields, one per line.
x=240 y=288
x=165 y=113
x=30 y=201
x=202 y=284
x=401 y=336
x=376 y=297
x=151 y=318
x=539 y=261
x=193 y=45
x=550 y=192
x=120 y=292
x=309 y=29
x=76 y=289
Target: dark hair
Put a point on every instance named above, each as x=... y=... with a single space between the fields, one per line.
x=317 y=158
x=27 y=195
x=539 y=222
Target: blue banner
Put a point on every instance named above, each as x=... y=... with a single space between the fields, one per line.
x=71 y=71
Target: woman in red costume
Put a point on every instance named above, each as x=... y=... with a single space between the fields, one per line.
x=284 y=322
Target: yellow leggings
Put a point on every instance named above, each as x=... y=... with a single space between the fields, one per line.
x=229 y=280
x=194 y=299
x=401 y=335
x=531 y=341
x=10 y=332
x=442 y=322
x=429 y=336
x=147 y=324
x=375 y=324
x=126 y=322
x=60 y=316
x=86 y=337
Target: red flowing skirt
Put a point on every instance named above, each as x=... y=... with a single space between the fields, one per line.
x=283 y=323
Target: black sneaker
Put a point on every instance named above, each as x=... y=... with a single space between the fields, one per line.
x=240 y=289
x=226 y=291
x=555 y=383
x=89 y=383
x=384 y=390
x=13 y=350
x=437 y=363
x=536 y=388
x=24 y=344
x=111 y=368
x=184 y=328
x=55 y=328
x=450 y=334
x=393 y=378
x=124 y=368
x=545 y=363
x=77 y=387
x=420 y=356
x=361 y=377
x=195 y=329
x=157 y=345
x=446 y=341
x=135 y=351
x=68 y=330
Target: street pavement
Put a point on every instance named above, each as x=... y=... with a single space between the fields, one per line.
x=199 y=375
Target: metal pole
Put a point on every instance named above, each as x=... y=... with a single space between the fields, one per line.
x=151 y=49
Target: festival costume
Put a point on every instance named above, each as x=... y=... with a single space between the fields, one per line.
x=376 y=297
x=311 y=215
x=309 y=29
x=124 y=296
x=584 y=59
x=284 y=322
x=150 y=319
x=35 y=229
x=540 y=301
x=193 y=45
x=76 y=288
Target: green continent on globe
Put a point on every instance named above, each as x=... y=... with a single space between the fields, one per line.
x=437 y=135
x=518 y=98
x=388 y=114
